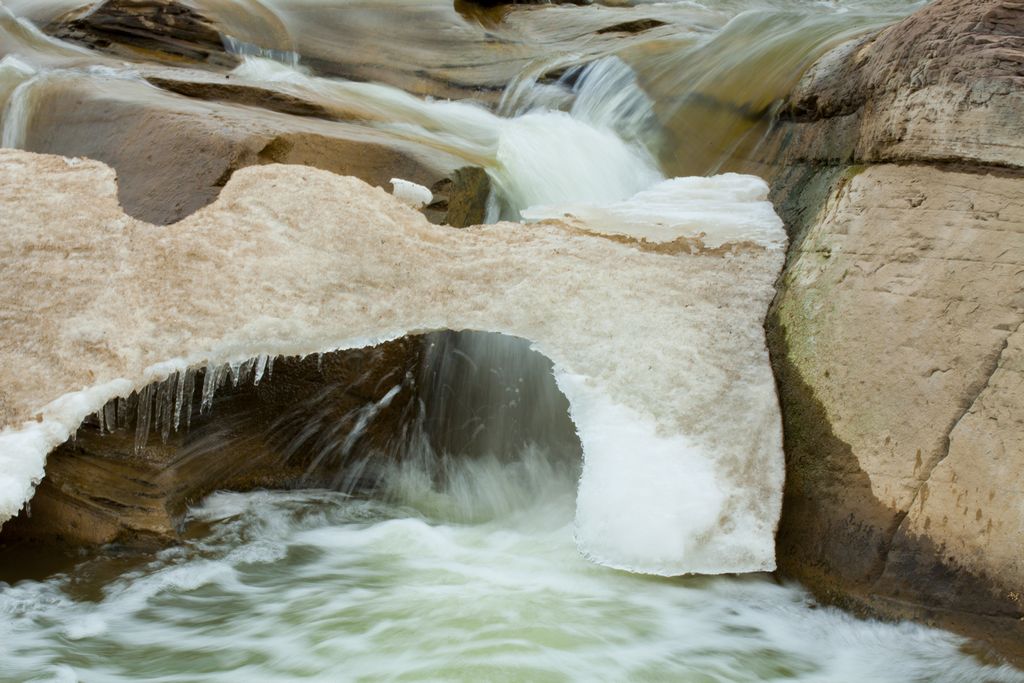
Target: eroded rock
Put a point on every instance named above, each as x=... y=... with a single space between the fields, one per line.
x=894 y=331
x=161 y=30
x=174 y=154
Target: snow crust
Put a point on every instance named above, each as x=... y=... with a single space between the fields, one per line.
x=410 y=193
x=728 y=208
x=660 y=352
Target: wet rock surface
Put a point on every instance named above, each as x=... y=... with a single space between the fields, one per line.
x=174 y=154
x=164 y=30
x=895 y=330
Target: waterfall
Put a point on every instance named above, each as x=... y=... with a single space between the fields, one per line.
x=537 y=157
x=16 y=80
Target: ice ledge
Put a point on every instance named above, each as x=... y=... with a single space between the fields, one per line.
x=661 y=355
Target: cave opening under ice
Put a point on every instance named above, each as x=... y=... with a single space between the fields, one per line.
x=657 y=344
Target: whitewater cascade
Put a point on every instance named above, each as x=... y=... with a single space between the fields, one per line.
x=657 y=343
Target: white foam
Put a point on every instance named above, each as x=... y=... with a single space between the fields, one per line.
x=15 y=76
x=368 y=593
x=644 y=499
x=552 y=158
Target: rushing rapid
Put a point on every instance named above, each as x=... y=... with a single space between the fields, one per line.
x=458 y=560
x=316 y=585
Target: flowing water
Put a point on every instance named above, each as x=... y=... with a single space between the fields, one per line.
x=459 y=562
x=315 y=585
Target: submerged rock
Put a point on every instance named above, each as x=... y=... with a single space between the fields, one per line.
x=164 y=30
x=895 y=332
x=657 y=345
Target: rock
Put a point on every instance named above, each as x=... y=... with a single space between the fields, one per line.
x=502 y=3
x=246 y=94
x=967 y=512
x=943 y=85
x=895 y=331
x=462 y=198
x=635 y=26
x=891 y=318
x=174 y=154
x=460 y=50
x=463 y=50
x=161 y=30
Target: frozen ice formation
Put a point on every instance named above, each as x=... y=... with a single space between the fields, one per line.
x=410 y=193
x=724 y=209
x=658 y=346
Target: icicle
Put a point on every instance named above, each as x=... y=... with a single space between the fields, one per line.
x=209 y=387
x=145 y=409
x=122 y=413
x=168 y=388
x=320 y=363
x=189 y=395
x=179 y=398
x=221 y=377
x=245 y=371
x=99 y=420
x=131 y=408
x=235 y=370
x=270 y=367
x=110 y=414
x=261 y=366
x=158 y=406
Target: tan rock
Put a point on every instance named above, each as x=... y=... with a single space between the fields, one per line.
x=981 y=479
x=894 y=331
x=959 y=547
x=891 y=340
x=943 y=85
x=892 y=316
x=174 y=154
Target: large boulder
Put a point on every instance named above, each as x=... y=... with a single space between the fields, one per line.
x=895 y=331
x=941 y=86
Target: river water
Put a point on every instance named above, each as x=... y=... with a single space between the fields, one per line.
x=462 y=566
x=316 y=585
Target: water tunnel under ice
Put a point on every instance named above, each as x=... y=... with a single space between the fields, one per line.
x=368 y=422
